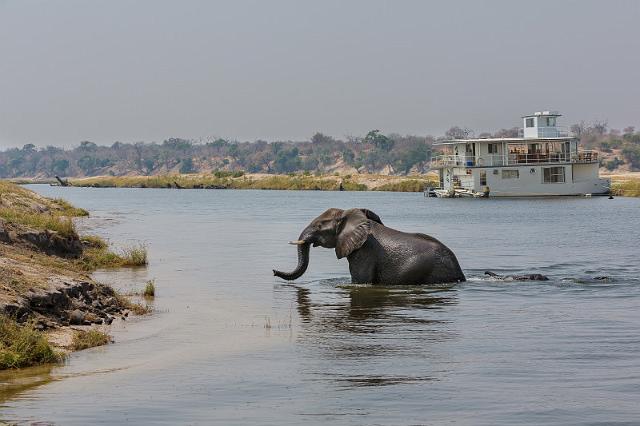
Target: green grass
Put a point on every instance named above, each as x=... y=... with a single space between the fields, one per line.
x=60 y=224
x=348 y=185
x=23 y=346
x=88 y=339
x=99 y=256
x=135 y=255
x=69 y=210
x=93 y=241
x=149 y=289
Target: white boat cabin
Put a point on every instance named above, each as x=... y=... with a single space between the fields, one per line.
x=544 y=160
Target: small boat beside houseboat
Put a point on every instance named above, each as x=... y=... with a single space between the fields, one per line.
x=545 y=160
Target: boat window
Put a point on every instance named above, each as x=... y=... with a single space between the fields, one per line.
x=551 y=121
x=493 y=148
x=529 y=122
x=553 y=175
x=483 y=178
x=510 y=174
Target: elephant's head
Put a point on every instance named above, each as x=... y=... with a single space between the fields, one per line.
x=344 y=230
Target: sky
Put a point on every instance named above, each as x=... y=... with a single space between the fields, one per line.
x=147 y=70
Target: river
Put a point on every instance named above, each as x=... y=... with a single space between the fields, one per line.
x=230 y=344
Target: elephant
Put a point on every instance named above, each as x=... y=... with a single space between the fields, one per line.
x=376 y=254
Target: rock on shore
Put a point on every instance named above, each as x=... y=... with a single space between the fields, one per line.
x=66 y=302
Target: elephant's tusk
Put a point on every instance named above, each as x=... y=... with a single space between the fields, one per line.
x=297 y=243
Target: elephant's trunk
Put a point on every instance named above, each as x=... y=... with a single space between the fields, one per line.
x=303 y=259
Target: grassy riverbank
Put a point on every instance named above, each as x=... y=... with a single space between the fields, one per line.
x=239 y=180
x=627 y=185
x=44 y=283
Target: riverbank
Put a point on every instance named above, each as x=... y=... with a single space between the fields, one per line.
x=625 y=185
x=49 y=304
x=239 y=180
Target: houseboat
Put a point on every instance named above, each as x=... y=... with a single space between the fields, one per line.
x=543 y=160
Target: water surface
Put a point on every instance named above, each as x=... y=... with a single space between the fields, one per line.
x=231 y=344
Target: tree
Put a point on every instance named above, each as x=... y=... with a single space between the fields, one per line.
x=319 y=139
x=88 y=146
x=186 y=166
x=457 y=132
x=287 y=161
x=87 y=164
x=600 y=127
x=380 y=141
x=60 y=167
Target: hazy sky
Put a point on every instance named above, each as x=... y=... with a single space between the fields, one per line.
x=148 y=70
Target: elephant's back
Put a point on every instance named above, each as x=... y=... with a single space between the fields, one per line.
x=416 y=251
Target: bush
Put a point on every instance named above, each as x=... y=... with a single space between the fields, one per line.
x=97 y=255
x=23 y=346
x=411 y=185
x=149 y=289
x=135 y=255
x=89 y=339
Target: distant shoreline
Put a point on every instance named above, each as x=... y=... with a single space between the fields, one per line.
x=239 y=180
x=627 y=184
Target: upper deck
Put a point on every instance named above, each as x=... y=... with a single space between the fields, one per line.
x=512 y=159
x=540 y=141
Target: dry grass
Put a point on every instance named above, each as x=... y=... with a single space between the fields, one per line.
x=626 y=187
x=408 y=185
x=136 y=308
x=23 y=346
x=16 y=197
x=229 y=180
x=40 y=221
x=67 y=209
x=88 y=339
x=24 y=207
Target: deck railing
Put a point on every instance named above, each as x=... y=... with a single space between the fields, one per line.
x=551 y=132
x=513 y=159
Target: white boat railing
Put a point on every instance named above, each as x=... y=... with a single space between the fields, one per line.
x=492 y=160
x=551 y=132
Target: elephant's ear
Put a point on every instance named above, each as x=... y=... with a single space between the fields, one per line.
x=371 y=215
x=353 y=229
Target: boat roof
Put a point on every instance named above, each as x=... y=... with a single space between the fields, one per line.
x=543 y=114
x=491 y=140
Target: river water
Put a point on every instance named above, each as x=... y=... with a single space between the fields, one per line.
x=229 y=343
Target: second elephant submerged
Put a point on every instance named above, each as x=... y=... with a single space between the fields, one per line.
x=376 y=254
